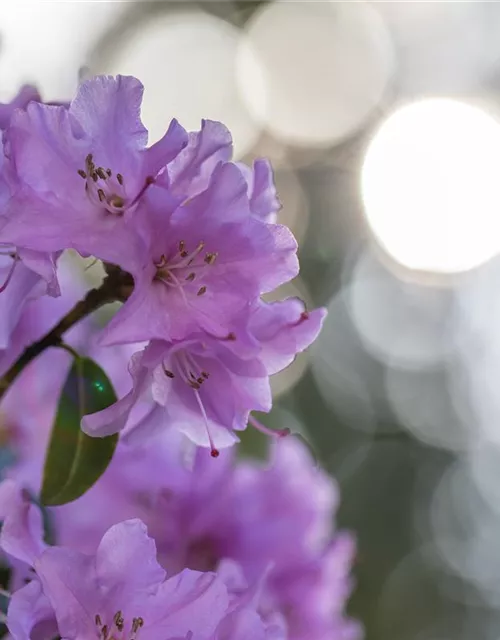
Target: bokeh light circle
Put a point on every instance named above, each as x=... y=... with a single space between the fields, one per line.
x=430 y=186
x=326 y=66
x=186 y=61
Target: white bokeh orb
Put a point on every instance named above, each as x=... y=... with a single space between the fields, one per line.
x=324 y=67
x=430 y=185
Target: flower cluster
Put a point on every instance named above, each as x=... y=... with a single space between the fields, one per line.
x=196 y=233
x=168 y=544
x=263 y=531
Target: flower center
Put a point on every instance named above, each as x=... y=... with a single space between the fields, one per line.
x=189 y=371
x=107 y=190
x=185 y=269
x=117 y=630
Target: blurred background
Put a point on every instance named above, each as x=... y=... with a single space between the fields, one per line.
x=382 y=121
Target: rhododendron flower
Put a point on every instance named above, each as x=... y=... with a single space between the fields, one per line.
x=208 y=259
x=274 y=521
x=83 y=170
x=203 y=384
x=24 y=273
x=122 y=591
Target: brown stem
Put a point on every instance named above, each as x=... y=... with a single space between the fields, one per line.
x=115 y=286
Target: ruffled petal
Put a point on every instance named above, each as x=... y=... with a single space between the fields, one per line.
x=22 y=530
x=126 y=564
x=30 y=610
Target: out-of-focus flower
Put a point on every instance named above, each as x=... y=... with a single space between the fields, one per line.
x=24 y=274
x=120 y=590
x=273 y=521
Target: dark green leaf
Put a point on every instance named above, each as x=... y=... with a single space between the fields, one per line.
x=75 y=461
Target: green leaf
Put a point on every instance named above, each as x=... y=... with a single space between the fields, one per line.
x=75 y=461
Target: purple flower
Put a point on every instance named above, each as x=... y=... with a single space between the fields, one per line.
x=264 y=201
x=25 y=95
x=206 y=386
x=191 y=171
x=83 y=170
x=208 y=260
x=275 y=522
x=24 y=273
x=122 y=591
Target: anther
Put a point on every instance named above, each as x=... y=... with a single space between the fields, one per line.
x=104 y=632
x=210 y=258
x=214 y=453
x=101 y=194
x=137 y=623
x=191 y=277
x=98 y=620
x=119 y=621
x=88 y=159
x=194 y=384
x=200 y=380
x=168 y=373
x=231 y=336
x=108 y=171
x=182 y=246
x=119 y=177
x=101 y=173
x=201 y=291
x=82 y=173
x=205 y=374
x=94 y=176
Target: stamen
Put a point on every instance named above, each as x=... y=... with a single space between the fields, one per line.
x=119 y=621
x=88 y=159
x=9 y=274
x=104 y=631
x=274 y=433
x=82 y=173
x=101 y=173
x=101 y=194
x=94 y=176
x=137 y=623
x=213 y=451
x=302 y=318
x=210 y=258
x=167 y=372
x=119 y=177
x=149 y=181
x=109 y=172
x=98 y=620
x=191 y=277
x=201 y=291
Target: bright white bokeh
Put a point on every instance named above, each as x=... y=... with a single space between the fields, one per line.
x=443 y=47
x=46 y=43
x=324 y=67
x=431 y=188
x=186 y=61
